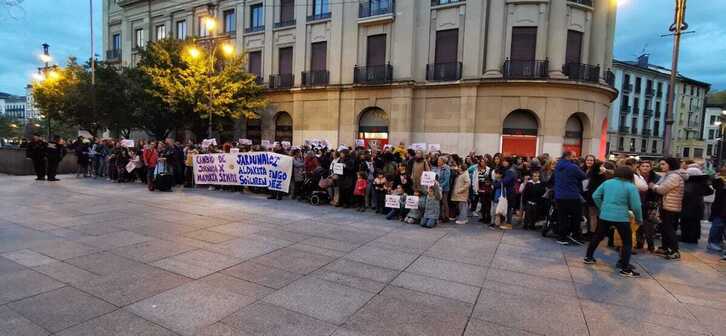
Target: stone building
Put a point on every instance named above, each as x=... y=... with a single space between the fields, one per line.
x=517 y=76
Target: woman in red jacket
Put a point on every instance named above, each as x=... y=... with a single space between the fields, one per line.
x=151 y=156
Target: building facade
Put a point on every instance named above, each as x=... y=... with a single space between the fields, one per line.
x=637 y=116
x=12 y=106
x=712 y=134
x=516 y=76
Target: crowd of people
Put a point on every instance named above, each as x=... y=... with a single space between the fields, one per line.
x=632 y=203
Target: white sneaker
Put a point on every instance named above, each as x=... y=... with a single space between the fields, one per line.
x=714 y=247
x=461 y=222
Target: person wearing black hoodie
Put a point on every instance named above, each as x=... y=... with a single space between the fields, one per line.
x=347 y=180
x=695 y=189
x=568 y=196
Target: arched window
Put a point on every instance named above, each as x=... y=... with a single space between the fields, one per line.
x=283 y=127
x=573 y=135
x=519 y=134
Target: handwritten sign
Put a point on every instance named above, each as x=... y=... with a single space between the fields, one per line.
x=209 y=142
x=266 y=143
x=127 y=143
x=286 y=144
x=360 y=143
x=428 y=178
x=418 y=146
x=412 y=202
x=246 y=142
x=393 y=201
x=338 y=168
x=217 y=169
x=434 y=147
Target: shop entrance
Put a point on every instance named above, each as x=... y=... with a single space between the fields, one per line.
x=519 y=134
x=373 y=127
x=573 y=136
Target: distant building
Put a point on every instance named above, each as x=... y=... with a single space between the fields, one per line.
x=12 y=106
x=637 y=116
x=31 y=111
x=712 y=134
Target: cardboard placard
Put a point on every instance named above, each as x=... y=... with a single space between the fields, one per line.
x=428 y=178
x=434 y=147
x=393 y=201
x=266 y=143
x=234 y=150
x=246 y=142
x=418 y=146
x=338 y=168
x=412 y=202
x=360 y=143
x=209 y=142
x=128 y=143
x=286 y=144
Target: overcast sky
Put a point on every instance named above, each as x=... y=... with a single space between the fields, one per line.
x=64 y=24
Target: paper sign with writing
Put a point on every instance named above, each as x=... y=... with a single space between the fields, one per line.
x=338 y=168
x=418 y=146
x=434 y=147
x=234 y=150
x=216 y=169
x=209 y=142
x=245 y=142
x=360 y=143
x=412 y=202
x=128 y=143
x=428 y=178
x=266 y=143
x=393 y=201
x=286 y=144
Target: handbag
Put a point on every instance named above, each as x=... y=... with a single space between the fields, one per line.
x=502 y=205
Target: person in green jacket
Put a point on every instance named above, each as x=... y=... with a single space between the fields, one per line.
x=615 y=198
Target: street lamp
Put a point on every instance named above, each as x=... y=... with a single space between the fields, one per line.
x=47 y=72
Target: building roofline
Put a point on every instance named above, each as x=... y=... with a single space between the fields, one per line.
x=658 y=70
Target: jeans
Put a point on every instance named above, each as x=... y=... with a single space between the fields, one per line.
x=428 y=222
x=569 y=215
x=486 y=204
x=668 y=229
x=463 y=211
x=716 y=234
x=602 y=230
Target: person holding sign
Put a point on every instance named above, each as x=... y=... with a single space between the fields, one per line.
x=415 y=204
x=397 y=210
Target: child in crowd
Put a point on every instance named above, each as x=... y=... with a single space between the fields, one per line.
x=398 y=213
x=379 y=188
x=432 y=207
x=532 y=192
x=499 y=219
x=414 y=215
x=359 y=192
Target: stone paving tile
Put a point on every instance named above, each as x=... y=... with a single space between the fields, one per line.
x=605 y=319
x=105 y=263
x=128 y=286
x=350 y=280
x=65 y=272
x=382 y=257
x=361 y=270
x=238 y=229
x=95 y=229
x=117 y=323
x=449 y=270
x=321 y=299
x=189 y=308
x=209 y=236
x=517 y=280
x=439 y=287
x=264 y=319
x=711 y=319
x=25 y=283
x=196 y=264
x=403 y=312
x=9 y=266
x=237 y=286
x=28 y=258
x=466 y=250
x=18 y=238
x=318 y=250
x=294 y=237
x=331 y=244
x=12 y=324
x=116 y=239
x=539 y=267
x=294 y=260
x=250 y=247
x=61 y=308
x=351 y=236
x=152 y=250
x=64 y=249
x=260 y=274
x=479 y=328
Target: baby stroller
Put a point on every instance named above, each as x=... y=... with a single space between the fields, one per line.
x=551 y=215
x=317 y=187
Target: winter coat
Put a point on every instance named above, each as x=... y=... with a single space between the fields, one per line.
x=415 y=214
x=360 y=187
x=718 y=208
x=443 y=176
x=150 y=157
x=460 y=192
x=671 y=187
x=417 y=168
x=433 y=203
x=36 y=150
x=298 y=169
x=533 y=192
x=694 y=189
x=568 y=180
x=615 y=197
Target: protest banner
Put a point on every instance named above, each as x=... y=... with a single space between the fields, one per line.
x=216 y=169
x=393 y=201
x=412 y=202
x=264 y=169
x=418 y=146
x=434 y=147
x=428 y=178
x=338 y=168
x=128 y=143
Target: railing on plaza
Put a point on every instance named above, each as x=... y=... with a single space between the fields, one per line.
x=582 y=72
x=535 y=69
x=321 y=16
x=375 y=7
x=582 y=2
x=444 y=2
x=373 y=74
x=255 y=29
x=315 y=78
x=285 y=23
x=443 y=71
x=282 y=81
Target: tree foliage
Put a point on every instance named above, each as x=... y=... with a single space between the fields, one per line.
x=717 y=97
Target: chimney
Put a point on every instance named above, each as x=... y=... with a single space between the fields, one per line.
x=643 y=60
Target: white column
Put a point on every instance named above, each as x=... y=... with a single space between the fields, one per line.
x=495 y=39
x=599 y=34
x=557 y=37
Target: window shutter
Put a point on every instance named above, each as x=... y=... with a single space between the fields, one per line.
x=319 y=56
x=285 y=61
x=255 y=65
x=574 y=47
x=376 y=51
x=524 y=43
x=447 y=46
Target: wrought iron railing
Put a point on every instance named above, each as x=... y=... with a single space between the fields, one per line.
x=444 y=2
x=315 y=78
x=627 y=87
x=321 y=16
x=443 y=71
x=582 y=72
x=582 y=2
x=113 y=54
x=285 y=23
x=535 y=69
x=255 y=29
x=282 y=81
x=373 y=74
x=375 y=7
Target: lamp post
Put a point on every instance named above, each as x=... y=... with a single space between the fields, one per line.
x=677 y=28
x=211 y=43
x=47 y=72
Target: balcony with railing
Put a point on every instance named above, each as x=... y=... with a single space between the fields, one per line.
x=627 y=87
x=286 y=23
x=636 y=110
x=623 y=130
x=649 y=92
x=626 y=109
x=315 y=78
x=634 y=131
x=525 y=69
x=259 y=80
x=646 y=132
x=659 y=94
x=282 y=81
x=370 y=8
x=582 y=2
x=373 y=74
x=255 y=29
x=439 y=72
x=435 y=3
x=648 y=112
x=320 y=16
x=113 y=55
x=582 y=72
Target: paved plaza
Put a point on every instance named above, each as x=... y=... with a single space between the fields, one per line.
x=88 y=257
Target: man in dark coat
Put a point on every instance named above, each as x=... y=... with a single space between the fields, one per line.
x=568 y=189
x=696 y=187
x=55 y=153
x=347 y=180
x=36 y=152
